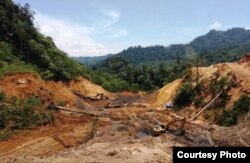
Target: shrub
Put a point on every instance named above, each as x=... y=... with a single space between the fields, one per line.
x=185 y=95
x=227 y=118
x=23 y=114
x=220 y=84
x=200 y=87
x=33 y=101
x=13 y=100
x=4 y=135
x=21 y=118
x=2 y=96
x=223 y=99
x=199 y=102
x=44 y=118
x=61 y=103
x=240 y=107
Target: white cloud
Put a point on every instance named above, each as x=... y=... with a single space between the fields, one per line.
x=107 y=25
x=215 y=25
x=113 y=16
x=70 y=37
x=77 y=40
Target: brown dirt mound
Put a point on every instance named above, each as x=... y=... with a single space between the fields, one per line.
x=166 y=93
x=27 y=85
x=238 y=72
x=87 y=88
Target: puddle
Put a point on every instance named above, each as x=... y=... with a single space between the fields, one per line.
x=198 y=139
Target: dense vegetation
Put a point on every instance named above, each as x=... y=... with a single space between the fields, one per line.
x=21 y=41
x=17 y=114
x=145 y=76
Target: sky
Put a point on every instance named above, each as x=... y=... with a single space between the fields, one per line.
x=100 y=27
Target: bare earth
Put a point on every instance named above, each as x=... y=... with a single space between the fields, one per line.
x=118 y=129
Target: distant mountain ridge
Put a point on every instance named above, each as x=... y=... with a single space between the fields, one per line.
x=89 y=61
x=214 y=43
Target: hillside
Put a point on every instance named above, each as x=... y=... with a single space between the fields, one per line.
x=28 y=85
x=23 y=44
x=221 y=40
x=215 y=47
x=232 y=78
x=212 y=46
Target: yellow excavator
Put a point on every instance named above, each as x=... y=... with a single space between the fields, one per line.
x=162 y=127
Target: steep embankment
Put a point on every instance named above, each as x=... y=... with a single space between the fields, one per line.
x=235 y=77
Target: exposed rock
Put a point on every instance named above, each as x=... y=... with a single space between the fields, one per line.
x=21 y=81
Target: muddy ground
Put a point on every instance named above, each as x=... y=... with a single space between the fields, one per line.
x=119 y=134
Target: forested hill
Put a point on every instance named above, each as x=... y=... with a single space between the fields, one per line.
x=221 y=40
x=24 y=48
x=149 y=68
x=215 y=47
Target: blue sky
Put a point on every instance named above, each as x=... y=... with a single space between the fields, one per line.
x=98 y=27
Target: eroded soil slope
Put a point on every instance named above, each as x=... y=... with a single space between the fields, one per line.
x=238 y=72
x=27 y=85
